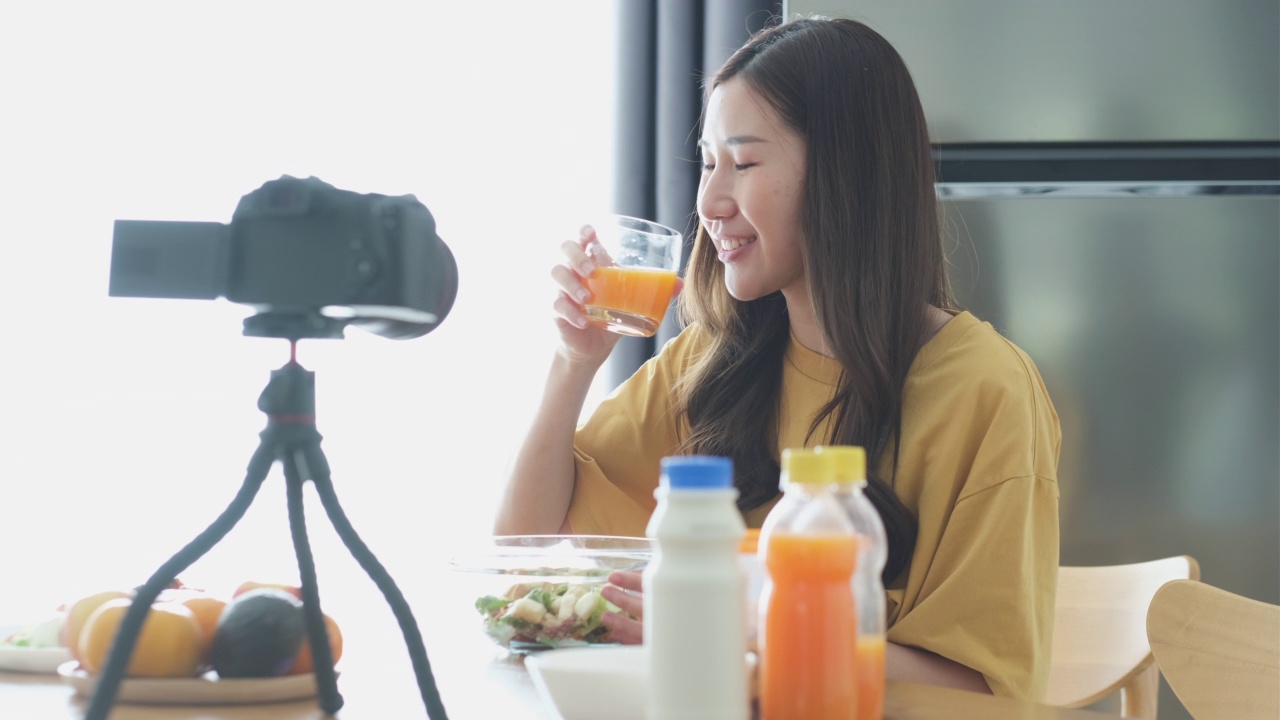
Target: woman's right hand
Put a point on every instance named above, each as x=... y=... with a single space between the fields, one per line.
x=580 y=341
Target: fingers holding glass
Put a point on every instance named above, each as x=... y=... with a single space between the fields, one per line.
x=570 y=283
x=570 y=311
x=577 y=256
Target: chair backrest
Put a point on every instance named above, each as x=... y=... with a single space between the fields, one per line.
x=1220 y=652
x=1100 y=633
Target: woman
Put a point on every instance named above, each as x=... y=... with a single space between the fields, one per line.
x=818 y=312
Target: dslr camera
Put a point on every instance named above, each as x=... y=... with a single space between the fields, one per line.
x=308 y=257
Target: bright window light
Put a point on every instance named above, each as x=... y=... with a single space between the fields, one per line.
x=127 y=423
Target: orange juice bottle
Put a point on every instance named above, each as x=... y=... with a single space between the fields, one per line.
x=749 y=559
x=808 y=615
x=868 y=585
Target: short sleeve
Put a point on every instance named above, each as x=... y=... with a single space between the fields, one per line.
x=618 y=451
x=980 y=470
x=986 y=600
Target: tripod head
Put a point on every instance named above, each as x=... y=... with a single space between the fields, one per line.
x=294 y=326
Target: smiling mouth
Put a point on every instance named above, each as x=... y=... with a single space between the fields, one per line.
x=733 y=243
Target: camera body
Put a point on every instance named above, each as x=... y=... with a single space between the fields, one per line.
x=310 y=258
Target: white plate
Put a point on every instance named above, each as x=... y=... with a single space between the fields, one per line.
x=592 y=683
x=207 y=689
x=600 y=682
x=32 y=660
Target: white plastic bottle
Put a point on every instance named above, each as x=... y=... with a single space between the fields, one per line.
x=694 y=595
x=850 y=467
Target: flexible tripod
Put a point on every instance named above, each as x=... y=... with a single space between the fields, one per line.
x=292 y=438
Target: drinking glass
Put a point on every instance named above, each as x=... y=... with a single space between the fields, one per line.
x=635 y=277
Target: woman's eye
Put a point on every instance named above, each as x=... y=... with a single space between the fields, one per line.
x=708 y=167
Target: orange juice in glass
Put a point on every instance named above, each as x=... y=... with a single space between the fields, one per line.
x=635 y=276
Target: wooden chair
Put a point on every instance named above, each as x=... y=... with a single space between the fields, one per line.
x=1099 y=634
x=1220 y=652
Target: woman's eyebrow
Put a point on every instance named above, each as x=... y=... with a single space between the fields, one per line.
x=736 y=140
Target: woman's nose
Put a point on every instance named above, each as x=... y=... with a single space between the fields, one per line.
x=715 y=198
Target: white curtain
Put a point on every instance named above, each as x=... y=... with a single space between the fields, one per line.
x=126 y=425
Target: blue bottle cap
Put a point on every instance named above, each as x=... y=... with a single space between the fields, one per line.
x=697 y=472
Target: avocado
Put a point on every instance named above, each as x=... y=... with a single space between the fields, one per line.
x=258 y=634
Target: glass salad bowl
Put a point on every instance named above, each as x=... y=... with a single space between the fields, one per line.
x=533 y=592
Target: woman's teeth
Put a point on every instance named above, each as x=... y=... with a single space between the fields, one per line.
x=727 y=244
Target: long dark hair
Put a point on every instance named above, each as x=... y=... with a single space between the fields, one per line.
x=873 y=258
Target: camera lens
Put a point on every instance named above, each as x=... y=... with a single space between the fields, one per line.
x=406 y=330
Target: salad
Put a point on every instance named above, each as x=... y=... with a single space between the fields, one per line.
x=43 y=634
x=551 y=614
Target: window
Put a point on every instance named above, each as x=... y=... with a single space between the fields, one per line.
x=127 y=424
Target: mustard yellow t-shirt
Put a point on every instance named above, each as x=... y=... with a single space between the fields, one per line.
x=978 y=467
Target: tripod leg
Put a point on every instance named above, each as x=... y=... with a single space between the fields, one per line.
x=108 y=686
x=319 y=471
x=321 y=654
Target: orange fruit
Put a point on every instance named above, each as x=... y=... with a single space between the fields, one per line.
x=304 y=664
x=79 y=612
x=168 y=646
x=206 y=609
x=248 y=585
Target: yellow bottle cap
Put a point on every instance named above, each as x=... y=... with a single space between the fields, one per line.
x=849 y=461
x=807 y=466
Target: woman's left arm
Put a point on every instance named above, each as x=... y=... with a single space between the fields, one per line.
x=902 y=663
x=920 y=666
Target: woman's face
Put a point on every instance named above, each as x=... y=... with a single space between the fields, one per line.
x=749 y=195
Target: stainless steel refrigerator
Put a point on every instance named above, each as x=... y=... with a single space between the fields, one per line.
x=1110 y=183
